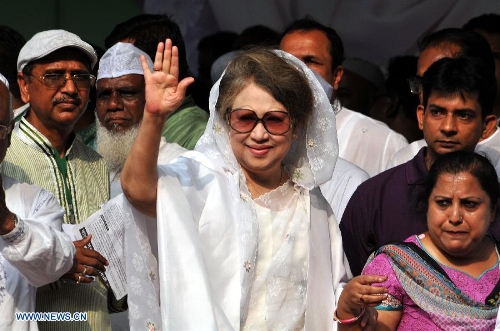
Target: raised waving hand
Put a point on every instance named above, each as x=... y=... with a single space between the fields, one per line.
x=164 y=92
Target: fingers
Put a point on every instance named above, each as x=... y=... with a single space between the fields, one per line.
x=158 y=61
x=167 y=57
x=369 y=319
x=369 y=279
x=83 y=242
x=145 y=67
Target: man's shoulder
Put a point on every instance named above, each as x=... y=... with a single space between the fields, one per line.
x=361 y=121
x=386 y=180
x=79 y=148
x=189 y=109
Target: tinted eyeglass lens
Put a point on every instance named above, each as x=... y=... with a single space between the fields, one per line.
x=415 y=84
x=244 y=121
x=58 y=80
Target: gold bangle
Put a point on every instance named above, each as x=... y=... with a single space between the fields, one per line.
x=350 y=320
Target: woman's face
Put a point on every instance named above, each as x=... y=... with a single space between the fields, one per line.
x=459 y=214
x=259 y=152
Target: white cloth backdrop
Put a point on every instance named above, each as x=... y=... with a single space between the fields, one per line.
x=372 y=29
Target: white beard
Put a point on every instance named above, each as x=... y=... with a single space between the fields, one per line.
x=115 y=146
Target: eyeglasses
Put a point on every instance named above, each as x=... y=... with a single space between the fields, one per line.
x=245 y=120
x=415 y=84
x=57 y=81
x=4 y=131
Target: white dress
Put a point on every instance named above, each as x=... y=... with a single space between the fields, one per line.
x=35 y=253
x=209 y=237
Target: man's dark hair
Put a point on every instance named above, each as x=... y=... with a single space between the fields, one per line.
x=487 y=22
x=336 y=46
x=457 y=76
x=257 y=35
x=11 y=43
x=399 y=70
x=147 y=30
x=471 y=44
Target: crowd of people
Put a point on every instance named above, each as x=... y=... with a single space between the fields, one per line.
x=287 y=187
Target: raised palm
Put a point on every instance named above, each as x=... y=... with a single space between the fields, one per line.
x=164 y=92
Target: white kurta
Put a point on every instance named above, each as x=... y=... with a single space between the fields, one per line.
x=339 y=189
x=367 y=143
x=490 y=147
x=35 y=253
x=206 y=255
x=167 y=152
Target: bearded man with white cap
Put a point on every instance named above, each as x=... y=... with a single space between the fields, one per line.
x=119 y=109
x=54 y=76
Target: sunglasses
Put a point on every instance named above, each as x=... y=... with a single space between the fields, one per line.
x=245 y=120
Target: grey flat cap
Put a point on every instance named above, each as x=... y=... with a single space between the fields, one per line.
x=46 y=42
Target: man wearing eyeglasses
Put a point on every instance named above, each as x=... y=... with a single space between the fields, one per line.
x=54 y=76
x=30 y=217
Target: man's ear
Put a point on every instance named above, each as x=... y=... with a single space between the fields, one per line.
x=490 y=126
x=393 y=106
x=337 y=76
x=23 y=83
x=420 y=116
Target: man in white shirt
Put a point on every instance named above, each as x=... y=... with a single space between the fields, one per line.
x=367 y=143
x=33 y=249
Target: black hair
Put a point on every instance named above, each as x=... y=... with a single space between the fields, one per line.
x=147 y=30
x=11 y=43
x=399 y=70
x=470 y=44
x=469 y=162
x=457 y=76
x=257 y=35
x=336 y=46
x=487 y=22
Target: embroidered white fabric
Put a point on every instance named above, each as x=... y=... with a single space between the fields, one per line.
x=122 y=59
x=310 y=161
x=225 y=226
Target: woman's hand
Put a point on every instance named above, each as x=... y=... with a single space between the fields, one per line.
x=164 y=92
x=357 y=295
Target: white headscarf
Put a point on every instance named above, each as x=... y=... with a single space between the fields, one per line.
x=312 y=156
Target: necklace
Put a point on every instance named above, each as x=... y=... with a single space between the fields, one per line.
x=253 y=189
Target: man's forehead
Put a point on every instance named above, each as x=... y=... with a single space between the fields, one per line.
x=64 y=54
x=432 y=54
x=306 y=40
x=130 y=80
x=458 y=99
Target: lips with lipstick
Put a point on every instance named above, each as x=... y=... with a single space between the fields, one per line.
x=259 y=150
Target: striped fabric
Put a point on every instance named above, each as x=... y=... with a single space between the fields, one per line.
x=30 y=159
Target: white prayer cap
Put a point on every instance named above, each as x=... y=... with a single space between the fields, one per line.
x=46 y=42
x=4 y=81
x=122 y=59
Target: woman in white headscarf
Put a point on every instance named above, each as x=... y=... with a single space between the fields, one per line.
x=246 y=240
